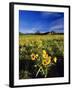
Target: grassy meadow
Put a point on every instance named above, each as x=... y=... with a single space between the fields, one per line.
x=41 y=56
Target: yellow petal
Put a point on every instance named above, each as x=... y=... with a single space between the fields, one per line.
x=36 y=55
x=44 y=52
x=55 y=59
x=45 y=55
x=44 y=62
x=48 y=60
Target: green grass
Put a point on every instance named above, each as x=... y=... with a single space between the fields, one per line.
x=24 y=38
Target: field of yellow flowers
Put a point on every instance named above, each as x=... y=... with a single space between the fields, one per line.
x=41 y=56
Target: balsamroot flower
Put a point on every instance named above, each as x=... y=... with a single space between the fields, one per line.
x=46 y=61
x=33 y=56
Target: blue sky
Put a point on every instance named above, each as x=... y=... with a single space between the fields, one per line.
x=32 y=21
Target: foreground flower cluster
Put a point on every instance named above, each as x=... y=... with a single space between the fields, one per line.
x=44 y=62
x=45 y=58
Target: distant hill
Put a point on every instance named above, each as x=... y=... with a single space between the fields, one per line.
x=53 y=33
x=39 y=33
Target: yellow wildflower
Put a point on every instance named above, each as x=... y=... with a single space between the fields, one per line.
x=55 y=59
x=44 y=62
x=33 y=56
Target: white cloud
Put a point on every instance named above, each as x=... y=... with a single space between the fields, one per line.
x=49 y=14
x=57 y=28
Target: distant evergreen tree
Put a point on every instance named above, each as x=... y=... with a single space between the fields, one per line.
x=53 y=32
x=37 y=32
